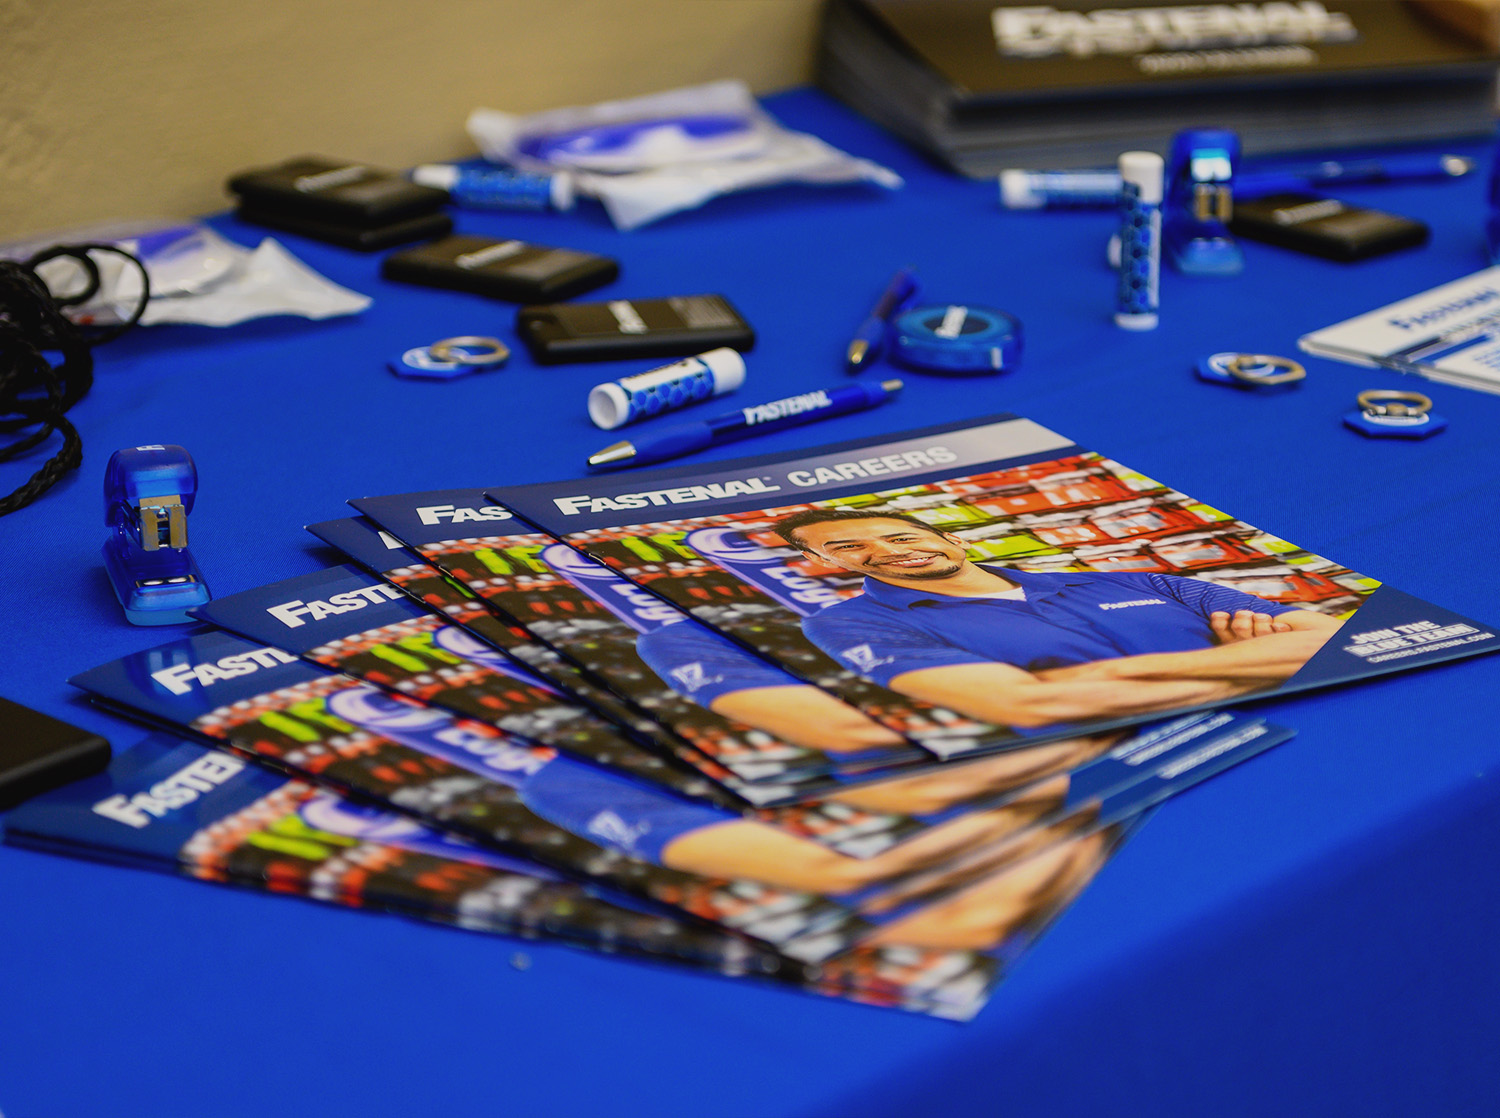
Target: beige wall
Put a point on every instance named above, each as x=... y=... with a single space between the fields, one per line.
x=129 y=108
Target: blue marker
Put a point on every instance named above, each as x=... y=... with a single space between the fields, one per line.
x=496 y=188
x=792 y=411
x=1141 y=174
x=1037 y=190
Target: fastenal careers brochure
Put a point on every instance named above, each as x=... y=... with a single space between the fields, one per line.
x=996 y=570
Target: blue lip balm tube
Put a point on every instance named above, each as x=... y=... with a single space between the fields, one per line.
x=1141 y=174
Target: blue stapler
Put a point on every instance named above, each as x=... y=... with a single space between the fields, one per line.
x=1199 y=202
x=148 y=492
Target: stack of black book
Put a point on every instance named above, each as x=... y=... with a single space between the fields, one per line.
x=983 y=86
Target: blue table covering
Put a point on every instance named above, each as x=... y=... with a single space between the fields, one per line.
x=1314 y=932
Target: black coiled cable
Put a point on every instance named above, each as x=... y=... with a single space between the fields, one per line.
x=34 y=392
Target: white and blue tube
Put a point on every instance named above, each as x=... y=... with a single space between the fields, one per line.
x=1042 y=190
x=1141 y=174
x=497 y=188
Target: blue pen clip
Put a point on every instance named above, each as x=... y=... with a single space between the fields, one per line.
x=1199 y=203
x=148 y=492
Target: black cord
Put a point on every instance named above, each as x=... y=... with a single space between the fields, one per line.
x=33 y=391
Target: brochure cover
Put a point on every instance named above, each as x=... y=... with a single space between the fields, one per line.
x=778 y=889
x=994 y=568
x=1451 y=334
x=180 y=807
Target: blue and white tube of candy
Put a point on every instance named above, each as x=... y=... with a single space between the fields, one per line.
x=667 y=388
x=1141 y=174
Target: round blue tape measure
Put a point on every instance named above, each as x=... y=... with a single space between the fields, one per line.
x=955 y=340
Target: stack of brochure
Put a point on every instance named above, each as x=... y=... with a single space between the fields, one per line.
x=862 y=720
x=984 y=86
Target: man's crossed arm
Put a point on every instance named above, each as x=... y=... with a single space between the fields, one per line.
x=1258 y=651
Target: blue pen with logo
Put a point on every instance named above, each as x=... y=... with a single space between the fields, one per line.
x=791 y=411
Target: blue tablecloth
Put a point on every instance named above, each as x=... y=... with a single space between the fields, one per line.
x=1313 y=933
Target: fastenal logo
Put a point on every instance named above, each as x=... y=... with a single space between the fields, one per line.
x=687 y=494
x=178 y=790
x=863 y=658
x=694 y=677
x=1041 y=32
x=781 y=409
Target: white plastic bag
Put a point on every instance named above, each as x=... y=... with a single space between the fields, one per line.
x=196 y=276
x=647 y=157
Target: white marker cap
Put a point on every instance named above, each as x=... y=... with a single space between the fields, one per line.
x=1016 y=192
x=1145 y=321
x=441 y=176
x=1145 y=169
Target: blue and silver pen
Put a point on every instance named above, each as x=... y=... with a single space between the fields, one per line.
x=1412 y=166
x=791 y=411
x=1100 y=189
x=867 y=339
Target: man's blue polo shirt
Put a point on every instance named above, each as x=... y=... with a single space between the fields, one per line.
x=1067 y=618
x=702 y=665
x=612 y=810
